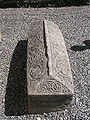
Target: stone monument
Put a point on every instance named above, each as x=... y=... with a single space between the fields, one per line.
x=49 y=78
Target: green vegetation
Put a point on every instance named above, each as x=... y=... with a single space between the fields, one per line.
x=88 y=3
x=47 y=3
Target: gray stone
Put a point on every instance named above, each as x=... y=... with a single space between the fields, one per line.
x=49 y=78
x=0 y=36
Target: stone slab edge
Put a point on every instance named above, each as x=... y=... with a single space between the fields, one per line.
x=61 y=49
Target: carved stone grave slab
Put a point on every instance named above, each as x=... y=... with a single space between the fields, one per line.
x=49 y=78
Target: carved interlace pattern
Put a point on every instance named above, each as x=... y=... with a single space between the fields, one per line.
x=37 y=62
x=36 y=55
x=59 y=64
x=52 y=86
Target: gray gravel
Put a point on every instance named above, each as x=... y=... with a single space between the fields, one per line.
x=74 y=23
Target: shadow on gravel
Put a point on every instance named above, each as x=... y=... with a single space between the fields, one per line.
x=81 y=47
x=16 y=90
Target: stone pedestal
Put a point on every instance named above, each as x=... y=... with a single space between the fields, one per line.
x=49 y=78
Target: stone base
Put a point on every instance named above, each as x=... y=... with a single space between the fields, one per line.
x=47 y=103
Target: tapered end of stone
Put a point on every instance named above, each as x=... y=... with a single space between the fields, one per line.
x=49 y=78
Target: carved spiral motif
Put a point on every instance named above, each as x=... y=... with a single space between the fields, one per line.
x=49 y=86
x=35 y=42
x=36 y=72
x=36 y=60
x=52 y=86
x=61 y=66
x=36 y=64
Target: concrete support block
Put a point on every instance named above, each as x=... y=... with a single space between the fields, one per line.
x=49 y=78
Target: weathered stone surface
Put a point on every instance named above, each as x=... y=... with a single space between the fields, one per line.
x=50 y=83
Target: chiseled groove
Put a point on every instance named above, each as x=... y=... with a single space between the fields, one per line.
x=45 y=46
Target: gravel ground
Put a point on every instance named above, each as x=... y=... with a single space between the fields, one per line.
x=74 y=23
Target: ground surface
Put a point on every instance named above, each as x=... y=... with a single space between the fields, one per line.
x=74 y=23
